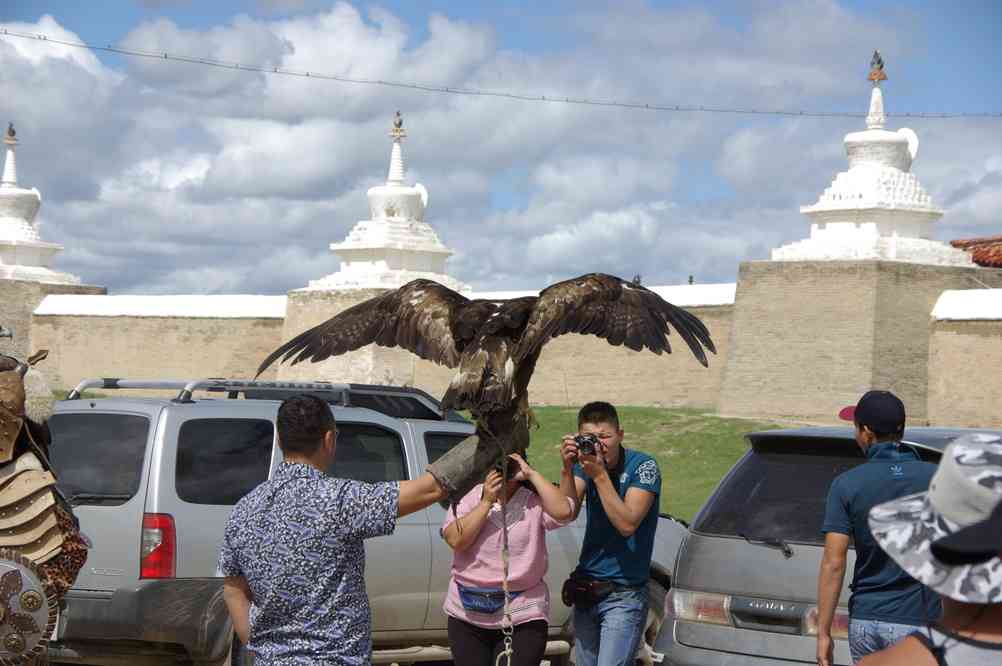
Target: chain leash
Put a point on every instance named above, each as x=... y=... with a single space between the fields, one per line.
x=507 y=628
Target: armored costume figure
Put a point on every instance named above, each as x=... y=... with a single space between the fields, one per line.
x=41 y=548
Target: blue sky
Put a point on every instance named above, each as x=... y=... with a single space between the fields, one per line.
x=711 y=190
x=963 y=62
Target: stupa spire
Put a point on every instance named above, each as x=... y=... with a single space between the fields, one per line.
x=875 y=118
x=397 y=169
x=876 y=209
x=10 y=164
x=395 y=245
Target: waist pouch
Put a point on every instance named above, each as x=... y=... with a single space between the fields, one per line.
x=581 y=591
x=585 y=592
x=487 y=600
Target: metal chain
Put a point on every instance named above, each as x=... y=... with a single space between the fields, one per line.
x=507 y=628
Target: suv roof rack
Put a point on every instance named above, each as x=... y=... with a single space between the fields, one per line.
x=397 y=401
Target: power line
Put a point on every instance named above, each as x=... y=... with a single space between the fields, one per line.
x=476 y=92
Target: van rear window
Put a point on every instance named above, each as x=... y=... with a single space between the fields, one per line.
x=221 y=460
x=778 y=490
x=98 y=458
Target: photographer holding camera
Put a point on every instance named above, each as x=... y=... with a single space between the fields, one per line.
x=608 y=589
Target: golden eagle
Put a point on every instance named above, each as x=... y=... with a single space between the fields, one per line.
x=494 y=344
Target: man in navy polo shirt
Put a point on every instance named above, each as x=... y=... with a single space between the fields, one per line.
x=623 y=488
x=886 y=603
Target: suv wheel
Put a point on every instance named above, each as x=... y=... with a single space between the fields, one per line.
x=237 y=656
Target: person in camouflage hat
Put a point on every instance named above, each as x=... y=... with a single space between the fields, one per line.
x=950 y=539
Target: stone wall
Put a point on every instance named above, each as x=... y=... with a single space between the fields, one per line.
x=153 y=347
x=906 y=294
x=18 y=299
x=801 y=338
x=809 y=337
x=306 y=308
x=965 y=373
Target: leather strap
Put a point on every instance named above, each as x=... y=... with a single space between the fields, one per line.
x=23 y=485
x=10 y=428
x=27 y=509
x=23 y=463
x=42 y=549
x=29 y=532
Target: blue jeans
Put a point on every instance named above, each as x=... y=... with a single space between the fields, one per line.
x=866 y=636
x=608 y=633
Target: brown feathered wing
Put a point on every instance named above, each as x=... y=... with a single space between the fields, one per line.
x=423 y=317
x=621 y=312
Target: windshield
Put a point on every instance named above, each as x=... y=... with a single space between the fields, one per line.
x=98 y=458
x=778 y=490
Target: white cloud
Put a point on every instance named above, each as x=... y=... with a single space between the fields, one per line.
x=164 y=176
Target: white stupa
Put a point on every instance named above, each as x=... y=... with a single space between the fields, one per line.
x=23 y=254
x=877 y=209
x=396 y=245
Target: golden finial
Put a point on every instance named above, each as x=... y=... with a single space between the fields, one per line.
x=877 y=68
x=398 y=131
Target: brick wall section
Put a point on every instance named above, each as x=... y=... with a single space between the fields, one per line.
x=369 y=365
x=18 y=299
x=809 y=337
x=801 y=342
x=592 y=368
x=965 y=364
x=906 y=294
x=153 y=347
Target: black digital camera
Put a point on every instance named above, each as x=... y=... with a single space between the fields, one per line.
x=587 y=444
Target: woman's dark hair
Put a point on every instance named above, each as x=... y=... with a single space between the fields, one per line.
x=302 y=422
x=513 y=470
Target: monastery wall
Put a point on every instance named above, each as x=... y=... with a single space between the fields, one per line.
x=965 y=364
x=18 y=299
x=153 y=347
x=810 y=337
x=965 y=359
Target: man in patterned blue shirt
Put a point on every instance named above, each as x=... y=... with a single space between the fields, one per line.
x=292 y=554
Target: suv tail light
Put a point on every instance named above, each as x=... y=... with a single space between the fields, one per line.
x=159 y=545
x=840 y=623
x=698 y=607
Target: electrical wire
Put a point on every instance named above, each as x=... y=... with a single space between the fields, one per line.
x=476 y=92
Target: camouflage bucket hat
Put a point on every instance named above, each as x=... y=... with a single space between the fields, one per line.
x=965 y=490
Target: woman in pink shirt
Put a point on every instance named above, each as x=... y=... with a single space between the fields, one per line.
x=475 y=600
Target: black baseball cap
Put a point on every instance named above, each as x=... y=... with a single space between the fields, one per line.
x=973 y=544
x=881 y=411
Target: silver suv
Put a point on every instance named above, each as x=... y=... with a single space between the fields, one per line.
x=153 y=481
x=745 y=583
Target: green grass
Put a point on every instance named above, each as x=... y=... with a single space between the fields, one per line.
x=693 y=449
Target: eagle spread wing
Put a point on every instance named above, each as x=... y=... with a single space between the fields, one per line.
x=423 y=317
x=621 y=312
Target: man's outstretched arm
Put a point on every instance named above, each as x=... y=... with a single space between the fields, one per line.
x=419 y=493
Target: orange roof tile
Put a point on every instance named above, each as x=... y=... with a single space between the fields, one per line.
x=985 y=251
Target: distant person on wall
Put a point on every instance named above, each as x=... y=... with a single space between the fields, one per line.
x=474 y=602
x=292 y=553
x=950 y=539
x=608 y=589
x=886 y=603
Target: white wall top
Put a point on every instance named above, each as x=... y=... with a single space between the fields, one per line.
x=214 y=306
x=968 y=304
x=682 y=295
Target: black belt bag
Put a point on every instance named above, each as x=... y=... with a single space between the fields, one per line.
x=585 y=592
